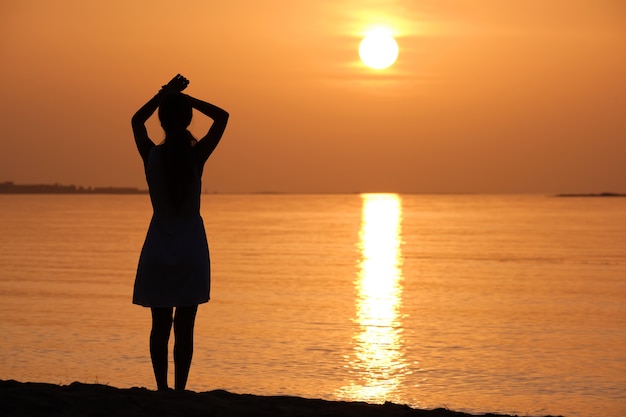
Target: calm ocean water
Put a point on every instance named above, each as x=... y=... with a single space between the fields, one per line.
x=513 y=304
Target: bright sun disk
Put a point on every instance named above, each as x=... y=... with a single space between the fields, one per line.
x=378 y=49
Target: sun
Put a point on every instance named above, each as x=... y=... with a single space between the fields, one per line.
x=378 y=49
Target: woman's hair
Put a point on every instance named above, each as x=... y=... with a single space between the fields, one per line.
x=175 y=114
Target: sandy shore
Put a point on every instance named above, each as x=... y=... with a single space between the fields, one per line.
x=21 y=399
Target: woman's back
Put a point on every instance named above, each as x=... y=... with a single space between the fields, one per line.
x=169 y=197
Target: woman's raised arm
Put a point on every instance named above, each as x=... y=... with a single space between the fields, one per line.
x=208 y=143
x=138 y=123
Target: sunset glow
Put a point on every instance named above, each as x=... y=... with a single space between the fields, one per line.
x=472 y=96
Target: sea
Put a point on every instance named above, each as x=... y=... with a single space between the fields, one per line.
x=509 y=304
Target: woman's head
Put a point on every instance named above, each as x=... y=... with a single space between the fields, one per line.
x=175 y=112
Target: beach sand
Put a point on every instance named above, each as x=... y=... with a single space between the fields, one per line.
x=20 y=399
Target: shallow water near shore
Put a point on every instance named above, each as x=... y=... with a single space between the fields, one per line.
x=508 y=304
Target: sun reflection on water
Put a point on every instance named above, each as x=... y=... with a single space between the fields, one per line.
x=378 y=362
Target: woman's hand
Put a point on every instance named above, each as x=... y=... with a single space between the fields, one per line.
x=177 y=84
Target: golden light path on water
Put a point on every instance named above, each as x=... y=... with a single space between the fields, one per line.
x=378 y=364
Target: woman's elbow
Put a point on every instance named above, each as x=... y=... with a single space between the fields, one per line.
x=137 y=120
x=225 y=116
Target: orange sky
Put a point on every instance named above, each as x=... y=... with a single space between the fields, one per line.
x=486 y=96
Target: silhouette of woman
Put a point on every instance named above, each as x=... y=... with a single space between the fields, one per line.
x=174 y=266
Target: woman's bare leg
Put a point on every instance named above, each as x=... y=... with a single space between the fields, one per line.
x=159 y=338
x=184 y=320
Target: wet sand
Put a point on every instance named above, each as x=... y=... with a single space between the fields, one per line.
x=20 y=399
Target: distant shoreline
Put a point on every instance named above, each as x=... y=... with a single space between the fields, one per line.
x=592 y=195
x=9 y=187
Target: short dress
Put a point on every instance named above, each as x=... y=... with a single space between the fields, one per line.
x=174 y=265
